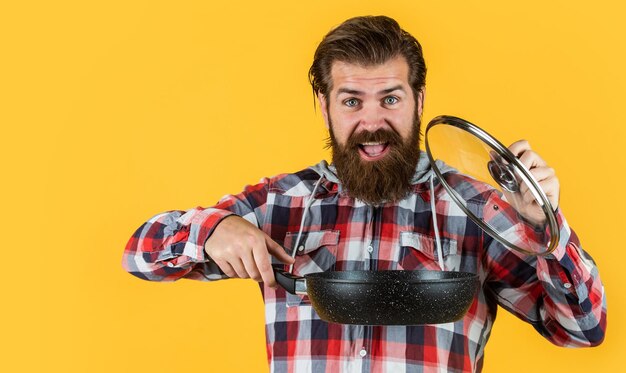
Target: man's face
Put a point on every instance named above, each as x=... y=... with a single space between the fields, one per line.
x=374 y=129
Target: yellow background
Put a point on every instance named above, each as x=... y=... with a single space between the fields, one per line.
x=113 y=111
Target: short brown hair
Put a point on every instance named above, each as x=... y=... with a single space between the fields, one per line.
x=367 y=41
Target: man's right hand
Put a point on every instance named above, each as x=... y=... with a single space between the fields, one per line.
x=241 y=250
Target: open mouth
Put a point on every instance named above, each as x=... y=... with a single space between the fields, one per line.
x=371 y=151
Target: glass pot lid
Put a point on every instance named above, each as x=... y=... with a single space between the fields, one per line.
x=457 y=149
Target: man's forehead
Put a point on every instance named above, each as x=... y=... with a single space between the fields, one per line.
x=350 y=76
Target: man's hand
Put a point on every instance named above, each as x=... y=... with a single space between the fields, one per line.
x=524 y=201
x=242 y=250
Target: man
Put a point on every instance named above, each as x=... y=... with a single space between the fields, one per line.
x=370 y=209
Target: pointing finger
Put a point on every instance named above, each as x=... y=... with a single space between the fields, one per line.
x=277 y=251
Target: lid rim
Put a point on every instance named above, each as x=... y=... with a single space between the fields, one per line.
x=520 y=170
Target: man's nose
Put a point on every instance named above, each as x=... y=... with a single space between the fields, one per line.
x=372 y=117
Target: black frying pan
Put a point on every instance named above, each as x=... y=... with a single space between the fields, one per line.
x=385 y=297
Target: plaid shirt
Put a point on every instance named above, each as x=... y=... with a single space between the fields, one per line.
x=560 y=295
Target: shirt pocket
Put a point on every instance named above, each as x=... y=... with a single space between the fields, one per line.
x=316 y=252
x=418 y=251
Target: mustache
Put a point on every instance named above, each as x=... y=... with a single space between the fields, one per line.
x=381 y=135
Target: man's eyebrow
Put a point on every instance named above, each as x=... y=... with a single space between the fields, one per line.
x=349 y=91
x=360 y=93
x=394 y=88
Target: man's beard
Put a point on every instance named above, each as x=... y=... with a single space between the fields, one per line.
x=385 y=180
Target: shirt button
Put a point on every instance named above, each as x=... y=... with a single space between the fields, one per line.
x=370 y=248
x=170 y=264
x=362 y=353
x=301 y=248
x=567 y=285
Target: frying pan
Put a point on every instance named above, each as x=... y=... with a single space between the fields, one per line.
x=385 y=297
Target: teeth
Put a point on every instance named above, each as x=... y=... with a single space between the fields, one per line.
x=372 y=143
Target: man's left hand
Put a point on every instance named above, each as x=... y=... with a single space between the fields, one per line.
x=524 y=201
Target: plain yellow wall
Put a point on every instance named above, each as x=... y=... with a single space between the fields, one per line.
x=113 y=111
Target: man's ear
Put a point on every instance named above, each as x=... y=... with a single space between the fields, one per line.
x=323 y=107
x=420 y=102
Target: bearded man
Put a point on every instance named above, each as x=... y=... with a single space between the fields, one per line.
x=370 y=210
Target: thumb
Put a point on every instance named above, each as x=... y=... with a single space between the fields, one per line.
x=277 y=251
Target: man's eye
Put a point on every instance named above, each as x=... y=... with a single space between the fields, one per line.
x=351 y=102
x=390 y=100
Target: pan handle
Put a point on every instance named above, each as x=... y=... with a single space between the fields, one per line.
x=292 y=283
